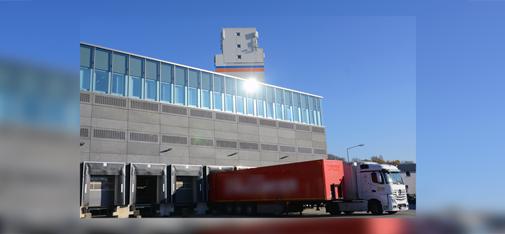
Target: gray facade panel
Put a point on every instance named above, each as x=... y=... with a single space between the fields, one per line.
x=201 y=123
x=143 y=117
x=85 y=110
x=195 y=138
x=104 y=157
x=105 y=112
x=174 y=120
x=140 y=148
x=104 y=146
x=108 y=123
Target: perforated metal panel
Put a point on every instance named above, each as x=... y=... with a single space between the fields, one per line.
x=249 y=120
x=227 y=117
x=201 y=113
x=145 y=137
x=174 y=110
x=111 y=101
x=286 y=125
x=265 y=122
x=226 y=144
x=304 y=150
x=302 y=127
x=84 y=97
x=269 y=147
x=84 y=132
x=174 y=139
x=109 y=134
x=143 y=105
x=248 y=146
x=202 y=141
x=283 y=148
x=318 y=129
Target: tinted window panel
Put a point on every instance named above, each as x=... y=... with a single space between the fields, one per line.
x=102 y=59
x=166 y=73
x=166 y=92
x=136 y=66
x=118 y=84
x=85 y=56
x=193 y=78
x=101 y=81
x=180 y=76
x=85 y=78
x=206 y=81
x=151 y=89
x=218 y=83
x=135 y=87
x=151 y=70
x=119 y=63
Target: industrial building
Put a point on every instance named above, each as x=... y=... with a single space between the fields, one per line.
x=133 y=107
x=151 y=130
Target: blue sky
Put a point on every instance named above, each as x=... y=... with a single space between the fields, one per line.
x=364 y=67
x=421 y=79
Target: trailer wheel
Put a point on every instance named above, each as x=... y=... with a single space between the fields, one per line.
x=375 y=207
x=250 y=209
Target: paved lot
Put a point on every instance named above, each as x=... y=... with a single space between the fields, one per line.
x=322 y=213
x=313 y=213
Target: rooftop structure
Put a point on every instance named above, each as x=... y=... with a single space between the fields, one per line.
x=240 y=54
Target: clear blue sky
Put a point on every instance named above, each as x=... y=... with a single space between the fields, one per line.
x=411 y=79
x=364 y=67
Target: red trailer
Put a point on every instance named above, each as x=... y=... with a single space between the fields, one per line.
x=279 y=188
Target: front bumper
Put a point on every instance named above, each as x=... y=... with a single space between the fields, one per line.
x=395 y=204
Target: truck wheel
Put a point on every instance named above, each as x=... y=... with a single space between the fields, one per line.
x=375 y=207
x=333 y=210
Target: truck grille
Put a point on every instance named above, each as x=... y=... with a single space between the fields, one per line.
x=400 y=194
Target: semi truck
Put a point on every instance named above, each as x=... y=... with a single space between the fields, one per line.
x=338 y=186
x=144 y=189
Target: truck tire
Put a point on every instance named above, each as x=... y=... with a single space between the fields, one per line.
x=375 y=207
x=333 y=209
x=250 y=210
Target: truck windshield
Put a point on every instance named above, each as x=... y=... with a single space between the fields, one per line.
x=393 y=177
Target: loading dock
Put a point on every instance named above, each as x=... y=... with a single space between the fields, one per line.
x=147 y=188
x=102 y=188
x=186 y=193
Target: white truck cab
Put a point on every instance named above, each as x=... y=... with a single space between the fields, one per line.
x=381 y=185
x=372 y=187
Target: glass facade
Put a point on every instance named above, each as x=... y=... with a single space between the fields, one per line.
x=180 y=85
x=205 y=90
x=218 y=92
x=193 y=81
x=166 y=80
x=116 y=73
x=230 y=94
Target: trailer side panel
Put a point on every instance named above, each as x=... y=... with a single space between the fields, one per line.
x=302 y=181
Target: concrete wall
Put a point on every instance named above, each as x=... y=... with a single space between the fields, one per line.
x=118 y=129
